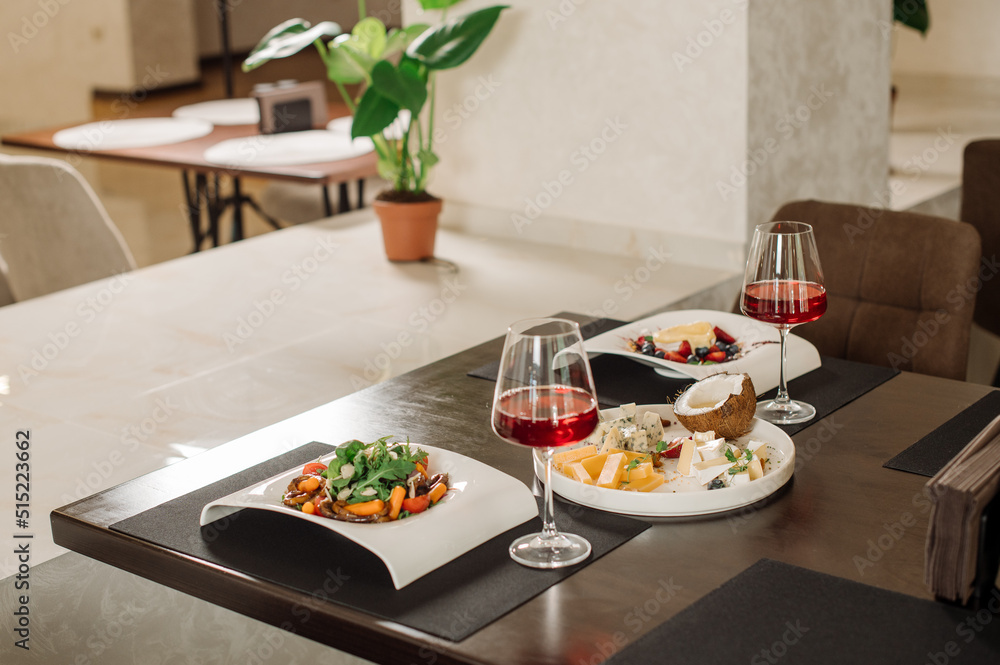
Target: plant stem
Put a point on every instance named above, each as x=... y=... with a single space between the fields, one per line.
x=362 y=10
x=347 y=97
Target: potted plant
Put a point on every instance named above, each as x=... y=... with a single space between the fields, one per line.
x=396 y=70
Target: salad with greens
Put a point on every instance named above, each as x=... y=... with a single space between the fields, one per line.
x=368 y=482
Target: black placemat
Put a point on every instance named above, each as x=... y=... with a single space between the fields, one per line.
x=451 y=602
x=929 y=455
x=620 y=380
x=774 y=612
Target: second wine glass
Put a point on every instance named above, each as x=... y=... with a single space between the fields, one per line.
x=783 y=287
x=545 y=398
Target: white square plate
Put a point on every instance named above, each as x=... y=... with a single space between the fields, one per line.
x=481 y=503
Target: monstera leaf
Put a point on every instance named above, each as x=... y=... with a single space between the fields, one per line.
x=287 y=39
x=454 y=42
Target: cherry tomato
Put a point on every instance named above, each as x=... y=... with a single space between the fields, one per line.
x=313 y=468
x=417 y=504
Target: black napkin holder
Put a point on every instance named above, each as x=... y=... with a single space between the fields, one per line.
x=988 y=556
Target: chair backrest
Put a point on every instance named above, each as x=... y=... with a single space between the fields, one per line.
x=981 y=208
x=897 y=286
x=54 y=232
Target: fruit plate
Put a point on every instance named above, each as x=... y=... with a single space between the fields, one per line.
x=760 y=360
x=682 y=495
x=481 y=503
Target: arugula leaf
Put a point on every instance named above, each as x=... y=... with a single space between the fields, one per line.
x=730 y=456
x=661 y=446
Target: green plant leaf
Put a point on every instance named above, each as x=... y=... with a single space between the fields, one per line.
x=427 y=158
x=912 y=14
x=454 y=42
x=398 y=40
x=343 y=66
x=375 y=112
x=287 y=39
x=369 y=35
x=438 y=4
x=402 y=85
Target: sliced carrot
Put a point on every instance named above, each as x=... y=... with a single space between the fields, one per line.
x=437 y=492
x=309 y=484
x=421 y=469
x=396 y=500
x=366 y=507
x=308 y=508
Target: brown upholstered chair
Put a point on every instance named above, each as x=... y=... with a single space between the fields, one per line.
x=896 y=286
x=981 y=208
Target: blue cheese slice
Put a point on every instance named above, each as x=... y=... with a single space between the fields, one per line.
x=653 y=426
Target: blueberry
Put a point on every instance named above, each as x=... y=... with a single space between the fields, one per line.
x=716 y=484
x=701 y=351
x=659 y=354
x=692 y=359
x=733 y=349
x=648 y=348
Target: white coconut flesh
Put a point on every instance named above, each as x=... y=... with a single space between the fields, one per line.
x=723 y=403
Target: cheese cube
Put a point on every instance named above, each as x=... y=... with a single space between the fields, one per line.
x=755 y=469
x=575 y=455
x=611 y=472
x=594 y=464
x=741 y=478
x=613 y=439
x=708 y=470
x=704 y=437
x=637 y=441
x=576 y=471
x=712 y=448
x=646 y=484
x=637 y=473
x=654 y=428
x=758 y=448
x=628 y=412
x=689 y=457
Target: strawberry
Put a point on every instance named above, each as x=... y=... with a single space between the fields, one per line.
x=723 y=335
x=685 y=349
x=673 y=450
x=716 y=357
x=714 y=349
x=675 y=357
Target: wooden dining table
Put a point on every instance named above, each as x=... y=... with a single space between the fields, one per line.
x=839 y=502
x=204 y=190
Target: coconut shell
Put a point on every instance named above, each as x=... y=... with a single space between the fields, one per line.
x=732 y=419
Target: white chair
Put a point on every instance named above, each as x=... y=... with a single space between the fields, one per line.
x=54 y=231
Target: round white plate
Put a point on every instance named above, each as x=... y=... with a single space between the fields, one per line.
x=131 y=133
x=394 y=131
x=681 y=495
x=240 y=111
x=290 y=148
x=481 y=503
x=761 y=362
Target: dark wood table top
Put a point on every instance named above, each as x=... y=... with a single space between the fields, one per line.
x=838 y=502
x=189 y=155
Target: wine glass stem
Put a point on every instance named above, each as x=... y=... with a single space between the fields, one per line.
x=548 y=515
x=782 y=396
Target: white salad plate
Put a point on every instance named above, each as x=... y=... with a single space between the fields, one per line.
x=682 y=495
x=481 y=503
x=288 y=149
x=761 y=361
x=130 y=133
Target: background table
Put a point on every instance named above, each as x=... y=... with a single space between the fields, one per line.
x=839 y=501
x=201 y=179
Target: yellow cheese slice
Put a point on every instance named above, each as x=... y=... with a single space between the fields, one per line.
x=638 y=473
x=647 y=484
x=611 y=472
x=574 y=455
x=576 y=471
x=594 y=464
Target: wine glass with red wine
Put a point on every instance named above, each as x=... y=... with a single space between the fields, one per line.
x=783 y=287
x=545 y=399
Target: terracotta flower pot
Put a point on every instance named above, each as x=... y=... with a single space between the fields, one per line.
x=408 y=229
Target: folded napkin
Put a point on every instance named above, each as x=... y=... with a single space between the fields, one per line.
x=959 y=494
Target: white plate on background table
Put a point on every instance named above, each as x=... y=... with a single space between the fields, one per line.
x=681 y=495
x=131 y=133
x=239 y=111
x=287 y=149
x=760 y=362
x=393 y=131
x=481 y=503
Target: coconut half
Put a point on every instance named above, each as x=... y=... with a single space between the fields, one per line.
x=725 y=403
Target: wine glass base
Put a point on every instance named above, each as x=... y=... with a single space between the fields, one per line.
x=537 y=550
x=785 y=413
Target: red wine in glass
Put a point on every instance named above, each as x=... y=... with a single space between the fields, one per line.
x=524 y=416
x=784 y=302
